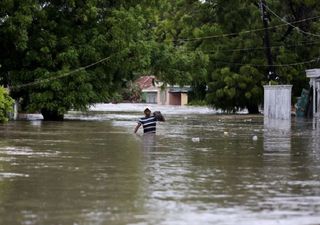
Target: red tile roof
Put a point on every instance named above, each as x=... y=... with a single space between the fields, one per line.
x=145 y=82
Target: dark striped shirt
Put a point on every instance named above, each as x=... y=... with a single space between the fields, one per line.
x=149 y=124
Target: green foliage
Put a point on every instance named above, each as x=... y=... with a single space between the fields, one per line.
x=181 y=42
x=231 y=87
x=197 y=103
x=177 y=66
x=61 y=37
x=6 y=105
x=233 y=91
x=116 y=98
x=131 y=92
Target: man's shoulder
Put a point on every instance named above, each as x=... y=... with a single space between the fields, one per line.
x=147 y=118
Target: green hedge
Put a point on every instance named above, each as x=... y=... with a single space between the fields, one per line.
x=6 y=105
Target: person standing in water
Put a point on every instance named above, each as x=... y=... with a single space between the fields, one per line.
x=149 y=122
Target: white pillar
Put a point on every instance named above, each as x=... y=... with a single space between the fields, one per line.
x=15 y=110
x=277 y=101
x=314 y=96
x=314 y=76
x=318 y=97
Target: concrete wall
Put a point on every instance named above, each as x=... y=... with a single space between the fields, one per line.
x=184 y=98
x=163 y=97
x=277 y=101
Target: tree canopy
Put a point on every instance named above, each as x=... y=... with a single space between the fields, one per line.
x=62 y=55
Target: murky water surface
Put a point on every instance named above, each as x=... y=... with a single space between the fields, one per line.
x=201 y=168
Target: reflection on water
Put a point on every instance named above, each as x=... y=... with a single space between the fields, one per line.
x=315 y=141
x=149 y=143
x=99 y=172
x=277 y=136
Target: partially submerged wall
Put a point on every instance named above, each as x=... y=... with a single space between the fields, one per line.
x=277 y=101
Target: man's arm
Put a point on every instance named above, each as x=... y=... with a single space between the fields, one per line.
x=137 y=127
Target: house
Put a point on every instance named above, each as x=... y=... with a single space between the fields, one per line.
x=314 y=76
x=156 y=92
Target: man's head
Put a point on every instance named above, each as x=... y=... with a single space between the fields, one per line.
x=147 y=112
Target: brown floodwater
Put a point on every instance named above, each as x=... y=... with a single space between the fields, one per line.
x=200 y=168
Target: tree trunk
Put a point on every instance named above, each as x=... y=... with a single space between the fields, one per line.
x=51 y=115
x=253 y=109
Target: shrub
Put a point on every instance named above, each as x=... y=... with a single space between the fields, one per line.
x=6 y=105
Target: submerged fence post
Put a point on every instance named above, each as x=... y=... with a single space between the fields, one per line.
x=15 y=110
x=277 y=102
x=13 y=115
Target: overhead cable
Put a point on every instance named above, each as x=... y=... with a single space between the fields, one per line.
x=262 y=48
x=242 y=32
x=60 y=76
x=290 y=24
x=275 y=65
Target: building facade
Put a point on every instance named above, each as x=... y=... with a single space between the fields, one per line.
x=155 y=92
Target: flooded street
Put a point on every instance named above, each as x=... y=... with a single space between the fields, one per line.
x=200 y=168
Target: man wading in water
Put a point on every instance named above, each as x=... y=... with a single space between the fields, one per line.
x=149 y=122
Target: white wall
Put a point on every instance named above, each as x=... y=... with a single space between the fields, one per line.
x=277 y=101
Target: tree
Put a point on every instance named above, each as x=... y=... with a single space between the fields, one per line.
x=76 y=53
x=237 y=43
x=234 y=91
x=173 y=61
x=132 y=92
x=6 y=105
x=15 y=20
x=61 y=37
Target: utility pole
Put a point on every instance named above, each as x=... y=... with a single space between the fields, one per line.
x=265 y=18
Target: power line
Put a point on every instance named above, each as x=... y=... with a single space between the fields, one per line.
x=107 y=58
x=60 y=76
x=241 y=32
x=290 y=24
x=275 y=65
x=191 y=39
x=303 y=43
x=263 y=48
x=266 y=41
